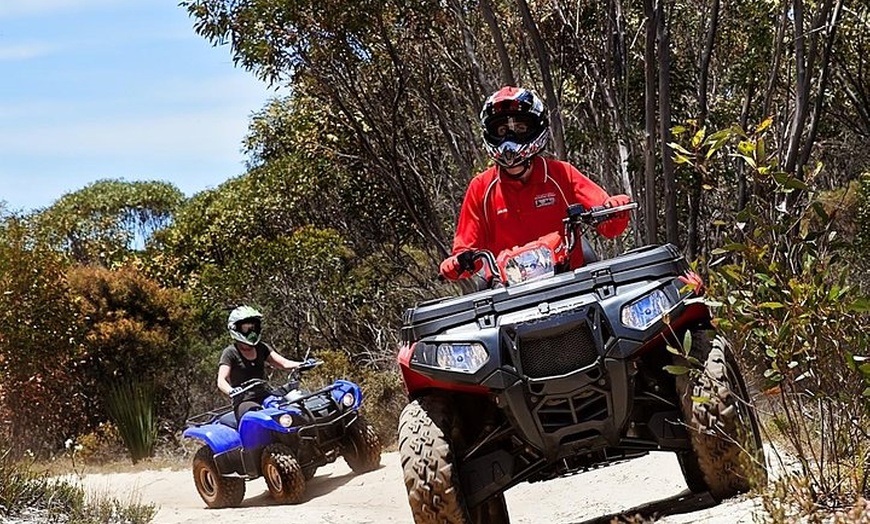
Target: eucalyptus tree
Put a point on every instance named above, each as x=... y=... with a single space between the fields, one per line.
x=306 y=234
x=406 y=79
x=104 y=221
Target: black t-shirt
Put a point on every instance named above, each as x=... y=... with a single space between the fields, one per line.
x=242 y=369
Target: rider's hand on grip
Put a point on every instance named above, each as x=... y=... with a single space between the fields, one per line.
x=616 y=201
x=615 y=224
x=457 y=266
x=450 y=268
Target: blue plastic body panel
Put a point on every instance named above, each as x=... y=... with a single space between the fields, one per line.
x=219 y=438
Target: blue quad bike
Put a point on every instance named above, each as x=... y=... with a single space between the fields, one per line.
x=294 y=433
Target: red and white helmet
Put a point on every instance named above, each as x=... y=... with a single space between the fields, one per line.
x=516 y=125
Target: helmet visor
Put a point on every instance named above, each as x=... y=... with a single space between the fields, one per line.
x=249 y=328
x=519 y=127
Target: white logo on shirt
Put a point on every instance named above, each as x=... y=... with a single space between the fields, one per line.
x=547 y=199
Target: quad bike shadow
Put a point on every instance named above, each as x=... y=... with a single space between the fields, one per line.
x=318 y=486
x=683 y=502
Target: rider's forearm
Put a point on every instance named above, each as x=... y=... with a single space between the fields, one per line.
x=224 y=386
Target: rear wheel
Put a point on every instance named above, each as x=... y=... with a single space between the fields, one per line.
x=216 y=490
x=727 y=457
x=431 y=476
x=362 y=447
x=282 y=473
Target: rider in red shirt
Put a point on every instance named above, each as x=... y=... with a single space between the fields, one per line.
x=524 y=196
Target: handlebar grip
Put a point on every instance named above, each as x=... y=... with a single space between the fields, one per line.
x=466 y=260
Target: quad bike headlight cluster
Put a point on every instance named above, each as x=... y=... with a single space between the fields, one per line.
x=348 y=399
x=285 y=420
x=455 y=356
x=645 y=311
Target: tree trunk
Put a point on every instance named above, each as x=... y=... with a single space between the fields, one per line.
x=615 y=78
x=802 y=89
x=507 y=72
x=704 y=66
x=547 y=77
x=664 y=78
x=776 y=59
x=468 y=46
x=825 y=67
x=695 y=193
x=650 y=211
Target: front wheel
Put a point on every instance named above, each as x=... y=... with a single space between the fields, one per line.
x=431 y=476
x=282 y=473
x=727 y=455
x=362 y=447
x=216 y=490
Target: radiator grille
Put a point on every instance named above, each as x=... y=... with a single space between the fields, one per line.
x=557 y=413
x=557 y=352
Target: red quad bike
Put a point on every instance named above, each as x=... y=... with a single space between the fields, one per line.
x=551 y=372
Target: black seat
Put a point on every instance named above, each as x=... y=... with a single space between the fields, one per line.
x=229 y=419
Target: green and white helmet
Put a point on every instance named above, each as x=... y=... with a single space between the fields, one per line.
x=245 y=324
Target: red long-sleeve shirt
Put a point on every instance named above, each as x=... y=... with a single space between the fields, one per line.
x=499 y=213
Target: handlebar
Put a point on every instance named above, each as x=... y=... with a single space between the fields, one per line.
x=309 y=364
x=577 y=216
x=254 y=383
x=246 y=386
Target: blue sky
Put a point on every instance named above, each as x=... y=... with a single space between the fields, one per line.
x=120 y=89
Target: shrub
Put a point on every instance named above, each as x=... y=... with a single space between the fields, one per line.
x=131 y=406
x=39 y=334
x=794 y=310
x=39 y=499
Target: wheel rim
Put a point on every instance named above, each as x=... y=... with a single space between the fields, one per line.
x=207 y=481
x=273 y=477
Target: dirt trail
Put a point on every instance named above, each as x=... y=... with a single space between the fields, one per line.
x=652 y=486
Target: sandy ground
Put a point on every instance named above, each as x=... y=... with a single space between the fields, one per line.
x=652 y=486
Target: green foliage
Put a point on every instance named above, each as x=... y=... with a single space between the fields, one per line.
x=131 y=406
x=102 y=222
x=39 y=331
x=790 y=302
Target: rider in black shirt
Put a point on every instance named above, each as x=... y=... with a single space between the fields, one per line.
x=245 y=359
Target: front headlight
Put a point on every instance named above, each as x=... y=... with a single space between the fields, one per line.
x=457 y=356
x=645 y=311
x=347 y=400
x=285 y=420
